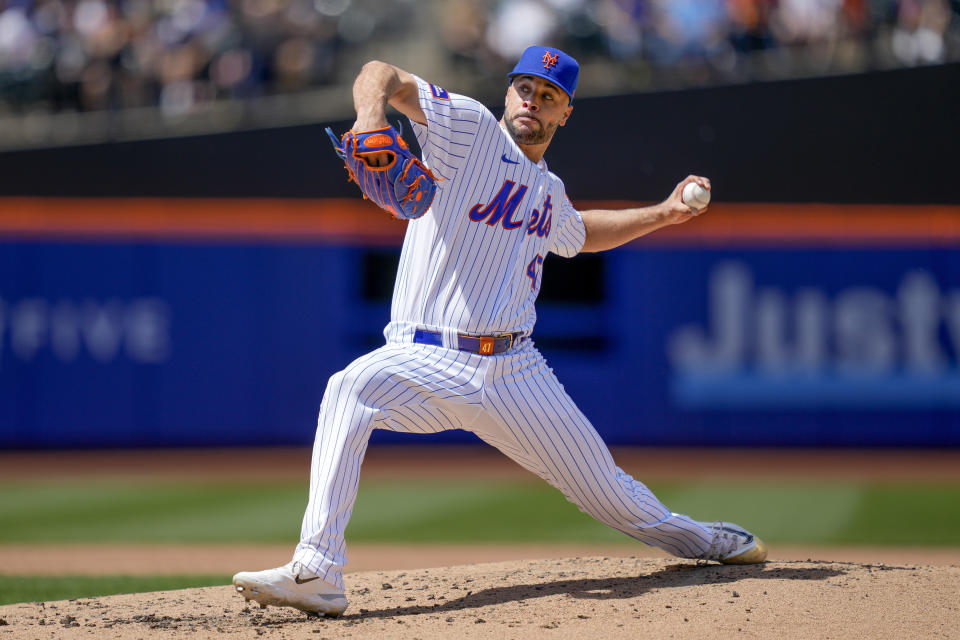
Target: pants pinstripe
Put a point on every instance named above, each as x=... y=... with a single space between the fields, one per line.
x=511 y=401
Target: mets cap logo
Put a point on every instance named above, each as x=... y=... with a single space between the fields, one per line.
x=550 y=60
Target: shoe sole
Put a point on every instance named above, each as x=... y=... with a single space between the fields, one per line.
x=329 y=606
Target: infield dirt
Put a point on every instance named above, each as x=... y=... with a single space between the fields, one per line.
x=843 y=593
x=577 y=598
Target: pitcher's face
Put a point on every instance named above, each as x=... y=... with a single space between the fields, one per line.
x=534 y=109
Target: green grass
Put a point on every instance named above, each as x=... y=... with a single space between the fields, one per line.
x=46 y=588
x=96 y=511
x=797 y=512
x=802 y=512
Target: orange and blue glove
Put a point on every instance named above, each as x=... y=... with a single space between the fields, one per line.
x=404 y=186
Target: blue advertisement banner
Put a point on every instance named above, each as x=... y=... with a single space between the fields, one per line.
x=839 y=347
x=187 y=343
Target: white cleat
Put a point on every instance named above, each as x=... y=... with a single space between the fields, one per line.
x=291 y=585
x=733 y=544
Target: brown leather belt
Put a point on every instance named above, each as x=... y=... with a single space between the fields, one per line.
x=483 y=345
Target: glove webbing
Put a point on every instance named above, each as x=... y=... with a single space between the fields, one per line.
x=415 y=187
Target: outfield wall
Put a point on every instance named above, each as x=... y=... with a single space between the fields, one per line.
x=802 y=335
x=162 y=318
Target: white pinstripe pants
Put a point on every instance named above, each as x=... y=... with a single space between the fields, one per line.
x=512 y=401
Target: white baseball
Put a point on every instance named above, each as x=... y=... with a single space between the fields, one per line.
x=695 y=196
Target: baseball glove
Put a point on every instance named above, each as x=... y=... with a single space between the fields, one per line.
x=404 y=186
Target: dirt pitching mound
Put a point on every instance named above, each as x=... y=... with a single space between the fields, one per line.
x=574 y=598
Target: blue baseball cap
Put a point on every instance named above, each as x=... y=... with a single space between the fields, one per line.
x=550 y=64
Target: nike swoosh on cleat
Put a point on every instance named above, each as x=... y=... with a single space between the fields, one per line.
x=300 y=580
x=506 y=159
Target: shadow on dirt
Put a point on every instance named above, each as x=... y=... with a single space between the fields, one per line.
x=680 y=575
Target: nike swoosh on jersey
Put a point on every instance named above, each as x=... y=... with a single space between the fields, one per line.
x=506 y=159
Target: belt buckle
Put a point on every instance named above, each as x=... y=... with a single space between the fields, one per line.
x=510 y=336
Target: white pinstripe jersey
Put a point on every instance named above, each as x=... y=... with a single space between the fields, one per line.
x=473 y=262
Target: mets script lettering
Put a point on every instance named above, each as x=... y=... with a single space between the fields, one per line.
x=503 y=206
x=540 y=222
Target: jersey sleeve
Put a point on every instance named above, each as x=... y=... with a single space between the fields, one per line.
x=452 y=124
x=570 y=232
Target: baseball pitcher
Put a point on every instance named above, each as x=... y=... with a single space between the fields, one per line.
x=484 y=212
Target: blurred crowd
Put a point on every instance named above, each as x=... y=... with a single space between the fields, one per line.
x=116 y=54
x=83 y=55
x=652 y=41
